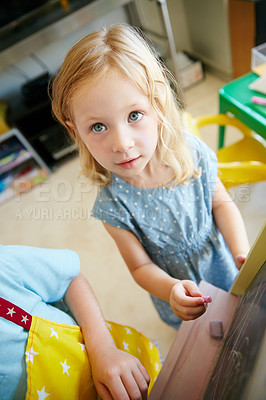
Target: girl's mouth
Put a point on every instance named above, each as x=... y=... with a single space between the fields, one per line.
x=127 y=164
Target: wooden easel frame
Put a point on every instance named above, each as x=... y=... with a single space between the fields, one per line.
x=193 y=356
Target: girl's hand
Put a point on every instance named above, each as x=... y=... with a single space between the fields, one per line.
x=239 y=260
x=186 y=300
x=118 y=375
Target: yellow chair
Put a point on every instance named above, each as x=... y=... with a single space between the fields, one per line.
x=244 y=161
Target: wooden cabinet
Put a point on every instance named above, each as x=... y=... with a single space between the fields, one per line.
x=247 y=21
x=242 y=19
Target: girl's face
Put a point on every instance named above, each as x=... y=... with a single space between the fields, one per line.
x=118 y=125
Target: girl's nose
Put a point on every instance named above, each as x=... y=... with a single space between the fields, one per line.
x=122 y=141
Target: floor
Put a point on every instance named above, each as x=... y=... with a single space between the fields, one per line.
x=57 y=215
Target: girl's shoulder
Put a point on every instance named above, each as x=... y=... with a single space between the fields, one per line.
x=205 y=161
x=200 y=150
x=34 y=264
x=196 y=142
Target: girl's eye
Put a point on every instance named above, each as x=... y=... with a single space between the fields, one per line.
x=135 y=116
x=98 y=127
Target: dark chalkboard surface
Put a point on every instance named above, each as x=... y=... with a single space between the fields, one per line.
x=240 y=373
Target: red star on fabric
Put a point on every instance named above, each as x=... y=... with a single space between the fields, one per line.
x=15 y=314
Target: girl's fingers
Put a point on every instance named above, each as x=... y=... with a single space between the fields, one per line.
x=132 y=385
x=240 y=259
x=191 y=288
x=182 y=295
x=117 y=390
x=142 y=378
x=144 y=373
x=135 y=385
x=188 y=313
x=103 y=392
x=187 y=301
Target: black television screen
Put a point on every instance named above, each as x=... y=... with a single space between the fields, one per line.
x=11 y=10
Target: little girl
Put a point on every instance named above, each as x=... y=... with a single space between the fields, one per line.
x=160 y=198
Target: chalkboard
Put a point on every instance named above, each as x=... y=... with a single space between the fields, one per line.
x=242 y=347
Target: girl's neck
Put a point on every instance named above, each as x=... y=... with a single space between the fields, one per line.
x=151 y=178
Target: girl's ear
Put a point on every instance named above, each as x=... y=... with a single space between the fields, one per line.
x=69 y=123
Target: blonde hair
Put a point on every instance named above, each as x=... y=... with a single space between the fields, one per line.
x=122 y=48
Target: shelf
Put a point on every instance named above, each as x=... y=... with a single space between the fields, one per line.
x=21 y=168
x=23 y=184
x=13 y=160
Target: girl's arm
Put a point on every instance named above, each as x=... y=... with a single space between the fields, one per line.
x=117 y=375
x=229 y=221
x=184 y=296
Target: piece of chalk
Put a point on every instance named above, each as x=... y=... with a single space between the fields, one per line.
x=259 y=100
x=216 y=329
x=207 y=299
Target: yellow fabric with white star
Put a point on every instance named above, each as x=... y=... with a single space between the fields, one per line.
x=57 y=363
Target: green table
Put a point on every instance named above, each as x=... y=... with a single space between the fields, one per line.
x=235 y=97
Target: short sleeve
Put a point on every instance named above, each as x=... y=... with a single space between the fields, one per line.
x=205 y=158
x=46 y=272
x=111 y=207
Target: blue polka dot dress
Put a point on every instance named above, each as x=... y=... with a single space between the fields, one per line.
x=175 y=225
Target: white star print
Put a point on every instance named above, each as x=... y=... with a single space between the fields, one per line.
x=11 y=311
x=30 y=354
x=53 y=333
x=156 y=365
x=41 y=394
x=151 y=345
x=24 y=318
x=65 y=367
x=82 y=346
x=128 y=331
x=125 y=345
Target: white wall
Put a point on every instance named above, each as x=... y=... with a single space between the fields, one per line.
x=179 y=24
x=151 y=19
x=199 y=26
x=208 y=26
